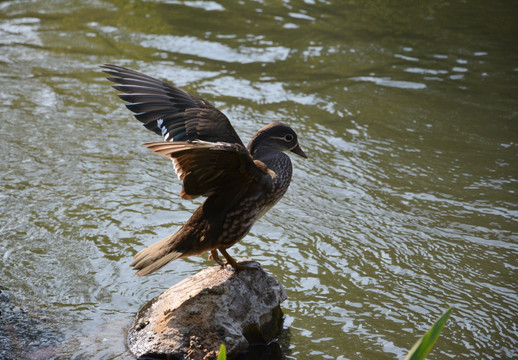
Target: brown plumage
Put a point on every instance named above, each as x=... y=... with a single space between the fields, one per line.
x=240 y=183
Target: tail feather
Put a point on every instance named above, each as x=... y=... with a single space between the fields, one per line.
x=156 y=256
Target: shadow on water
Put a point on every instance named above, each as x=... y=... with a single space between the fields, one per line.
x=270 y=351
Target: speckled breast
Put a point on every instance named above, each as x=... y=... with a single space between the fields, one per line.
x=242 y=217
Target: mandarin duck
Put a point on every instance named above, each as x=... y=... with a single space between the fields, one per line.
x=240 y=183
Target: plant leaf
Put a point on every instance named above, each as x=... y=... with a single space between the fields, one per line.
x=423 y=346
x=222 y=352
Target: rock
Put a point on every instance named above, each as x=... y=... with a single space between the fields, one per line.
x=25 y=335
x=213 y=307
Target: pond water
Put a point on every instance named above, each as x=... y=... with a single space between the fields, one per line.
x=408 y=204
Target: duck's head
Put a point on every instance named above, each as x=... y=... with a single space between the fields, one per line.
x=275 y=137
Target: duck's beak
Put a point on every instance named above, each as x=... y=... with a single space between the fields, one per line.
x=297 y=150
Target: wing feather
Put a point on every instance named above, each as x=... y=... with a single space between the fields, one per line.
x=204 y=167
x=169 y=111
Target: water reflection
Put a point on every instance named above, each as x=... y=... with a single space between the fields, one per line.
x=213 y=50
x=390 y=83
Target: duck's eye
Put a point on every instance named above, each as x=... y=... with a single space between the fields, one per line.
x=288 y=137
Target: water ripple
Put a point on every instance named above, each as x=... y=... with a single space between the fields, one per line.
x=213 y=50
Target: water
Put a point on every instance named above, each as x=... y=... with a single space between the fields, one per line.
x=407 y=204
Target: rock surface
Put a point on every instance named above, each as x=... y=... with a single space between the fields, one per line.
x=217 y=305
x=25 y=335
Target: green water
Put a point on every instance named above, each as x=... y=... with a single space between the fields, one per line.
x=407 y=204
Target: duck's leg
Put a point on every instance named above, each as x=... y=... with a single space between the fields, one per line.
x=234 y=263
x=214 y=256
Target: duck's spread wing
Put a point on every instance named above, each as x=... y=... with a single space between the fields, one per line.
x=206 y=167
x=170 y=111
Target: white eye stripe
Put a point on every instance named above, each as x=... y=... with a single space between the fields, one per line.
x=285 y=138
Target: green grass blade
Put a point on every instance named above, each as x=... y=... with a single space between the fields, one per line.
x=222 y=353
x=423 y=346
